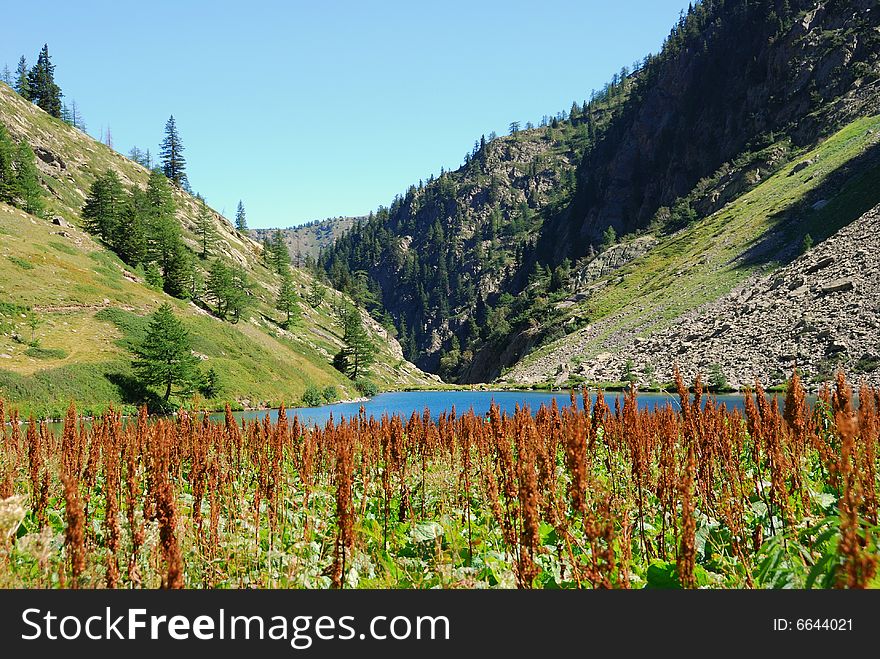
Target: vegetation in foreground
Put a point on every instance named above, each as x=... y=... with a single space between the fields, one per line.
x=576 y=497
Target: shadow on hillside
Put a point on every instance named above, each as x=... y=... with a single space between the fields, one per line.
x=133 y=392
x=847 y=193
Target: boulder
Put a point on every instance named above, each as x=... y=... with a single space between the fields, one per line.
x=837 y=286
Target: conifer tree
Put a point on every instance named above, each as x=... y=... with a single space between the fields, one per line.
x=164 y=358
x=316 y=293
x=104 y=206
x=173 y=163
x=219 y=286
x=359 y=352
x=239 y=295
x=279 y=257
x=287 y=300
x=7 y=173
x=164 y=232
x=130 y=239
x=22 y=85
x=43 y=90
x=181 y=269
x=7 y=75
x=240 y=218
x=205 y=229
x=153 y=277
x=28 y=190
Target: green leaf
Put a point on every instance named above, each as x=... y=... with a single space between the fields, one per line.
x=662 y=575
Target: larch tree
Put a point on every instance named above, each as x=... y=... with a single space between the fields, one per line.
x=359 y=352
x=240 y=218
x=7 y=173
x=28 y=190
x=164 y=357
x=287 y=300
x=316 y=293
x=103 y=206
x=205 y=231
x=240 y=293
x=171 y=153
x=22 y=85
x=279 y=257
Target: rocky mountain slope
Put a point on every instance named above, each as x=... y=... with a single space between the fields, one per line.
x=308 y=239
x=730 y=73
x=86 y=305
x=821 y=312
x=639 y=317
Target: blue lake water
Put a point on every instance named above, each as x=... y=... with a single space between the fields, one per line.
x=405 y=403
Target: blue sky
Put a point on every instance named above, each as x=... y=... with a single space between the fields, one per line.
x=307 y=110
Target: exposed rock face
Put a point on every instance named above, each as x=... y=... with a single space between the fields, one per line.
x=310 y=238
x=704 y=108
x=610 y=260
x=822 y=311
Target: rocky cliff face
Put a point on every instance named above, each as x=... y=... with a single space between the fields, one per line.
x=821 y=312
x=740 y=77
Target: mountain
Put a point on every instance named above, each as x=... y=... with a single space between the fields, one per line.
x=663 y=192
x=308 y=239
x=70 y=308
x=819 y=312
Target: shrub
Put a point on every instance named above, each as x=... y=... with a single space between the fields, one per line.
x=366 y=387
x=45 y=353
x=330 y=393
x=312 y=396
x=211 y=384
x=807 y=245
x=717 y=379
x=21 y=263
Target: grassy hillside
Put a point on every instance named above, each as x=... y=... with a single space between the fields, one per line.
x=817 y=192
x=69 y=307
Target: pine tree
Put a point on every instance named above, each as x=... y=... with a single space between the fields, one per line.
x=239 y=295
x=28 y=190
x=287 y=300
x=279 y=257
x=104 y=206
x=205 y=228
x=180 y=271
x=359 y=352
x=130 y=239
x=22 y=84
x=7 y=173
x=609 y=237
x=164 y=232
x=316 y=293
x=173 y=163
x=7 y=75
x=153 y=277
x=240 y=218
x=164 y=357
x=43 y=90
x=218 y=287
